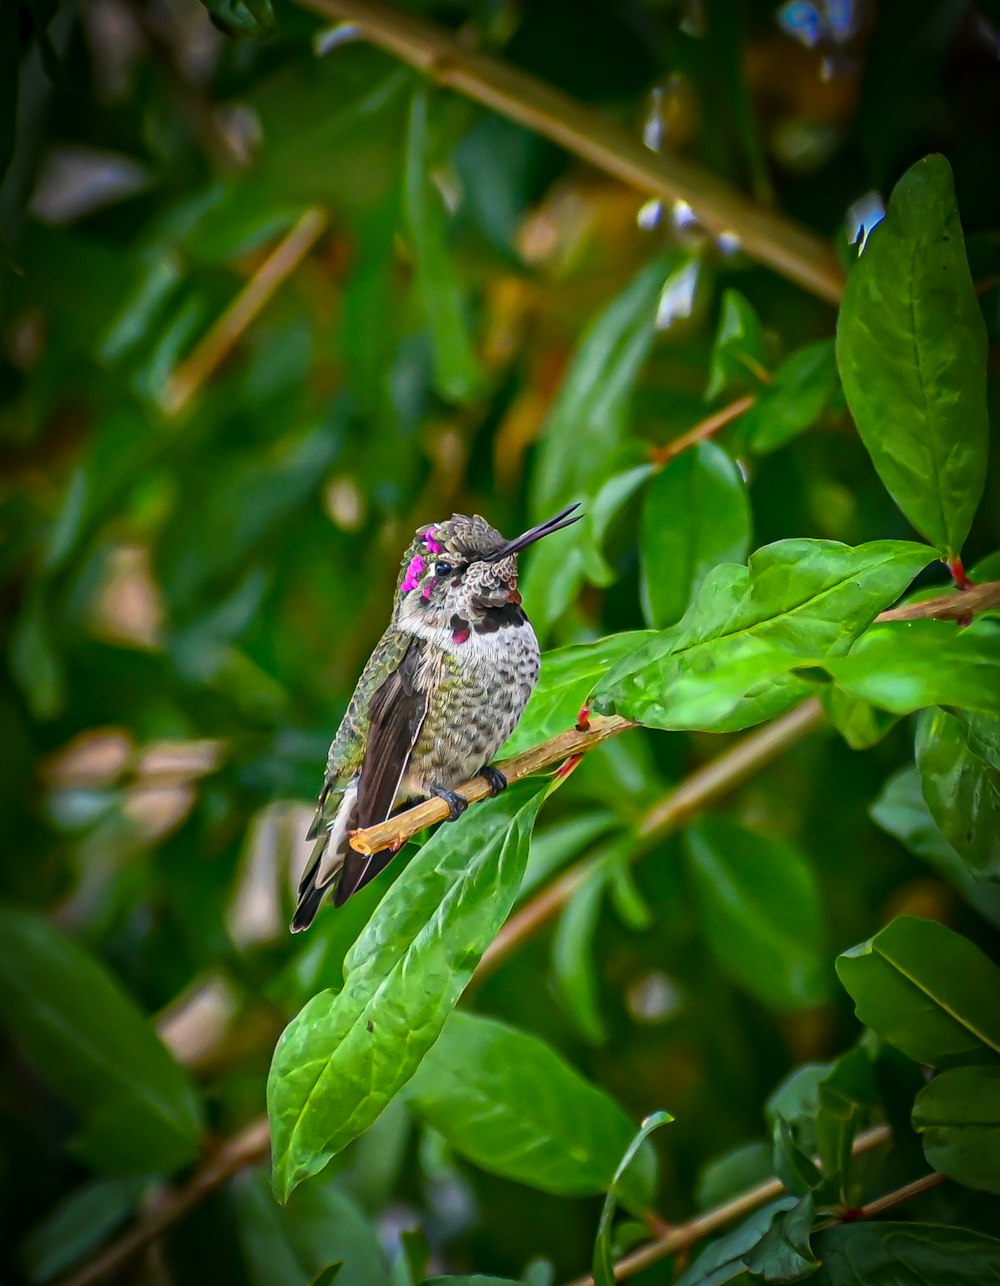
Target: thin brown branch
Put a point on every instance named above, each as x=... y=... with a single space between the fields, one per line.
x=576 y=741
x=227 y=330
x=767 y=236
x=896 y=1198
x=703 y=429
x=704 y=786
x=949 y=607
x=687 y=1234
x=250 y=1147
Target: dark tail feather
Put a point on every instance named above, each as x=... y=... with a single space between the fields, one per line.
x=323 y=872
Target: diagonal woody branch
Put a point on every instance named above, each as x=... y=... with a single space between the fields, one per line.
x=768 y=236
x=577 y=741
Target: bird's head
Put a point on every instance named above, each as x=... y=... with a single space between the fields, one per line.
x=466 y=569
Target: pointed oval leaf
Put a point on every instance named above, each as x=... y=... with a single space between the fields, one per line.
x=89 y=1042
x=603 y=1265
x=696 y=515
x=510 y=1104
x=906 y=1254
x=726 y=665
x=346 y=1054
x=911 y=348
x=962 y=792
x=926 y=990
x=957 y=1115
x=457 y=373
x=760 y=909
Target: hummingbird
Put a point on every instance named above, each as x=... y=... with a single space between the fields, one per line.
x=443 y=690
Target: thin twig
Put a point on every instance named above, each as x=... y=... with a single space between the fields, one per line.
x=924 y=1184
x=250 y=1147
x=686 y=1234
x=226 y=331
x=767 y=236
x=949 y=607
x=703 y=429
x=576 y=741
x=703 y=787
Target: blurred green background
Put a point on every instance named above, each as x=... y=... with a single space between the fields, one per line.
x=267 y=305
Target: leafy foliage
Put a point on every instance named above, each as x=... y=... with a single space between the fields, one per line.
x=271 y=299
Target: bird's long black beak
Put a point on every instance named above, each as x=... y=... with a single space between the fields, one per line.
x=546 y=528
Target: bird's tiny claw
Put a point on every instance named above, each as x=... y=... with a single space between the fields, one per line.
x=495 y=779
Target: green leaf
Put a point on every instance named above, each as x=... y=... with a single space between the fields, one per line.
x=600 y=513
x=784 y=1254
x=471 y=1279
x=87 y=1040
x=861 y=724
x=732 y=1173
x=760 y=910
x=292 y=1245
x=254 y=18
x=904 y=666
x=573 y=963
x=738 y=349
x=725 y=665
x=78 y=1224
x=458 y=375
x=588 y=422
x=958 y=1116
x=722 y=1260
x=802 y=387
x=346 y=1055
x=962 y=792
x=911 y=349
x=926 y=990
x=906 y=1254
x=568 y=677
x=696 y=515
x=511 y=1105
x=603 y=1265
x=902 y=811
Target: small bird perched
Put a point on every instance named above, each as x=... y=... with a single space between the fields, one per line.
x=441 y=693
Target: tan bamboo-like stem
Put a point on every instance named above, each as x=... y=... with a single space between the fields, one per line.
x=703 y=429
x=577 y=741
x=687 y=1234
x=225 y=332
x=949 y=607
x=769 y=237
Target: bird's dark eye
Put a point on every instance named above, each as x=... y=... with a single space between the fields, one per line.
x=442 y=569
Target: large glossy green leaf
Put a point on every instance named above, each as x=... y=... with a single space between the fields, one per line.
x=926 y=990
x=696 y=515
x=292 y=1245
x=911 y=348
x=587 y=423
x=601 y=511
x=906 y=665
x=87 y=1040
x=347 y=1054
x=958 y=1117
x=902 y=811
x=906 y=1254
x=726 y=664
x=510 y=1103
x=759 y=907
x=962 y=792
x=457 y=372
x=568 y=677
